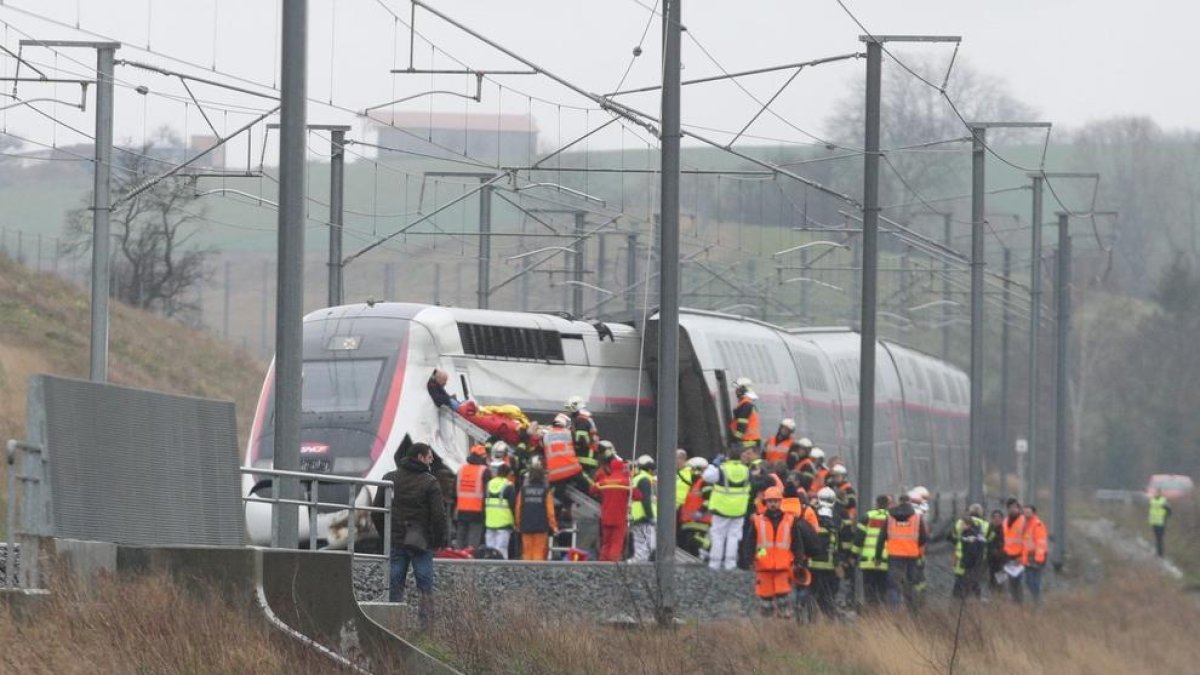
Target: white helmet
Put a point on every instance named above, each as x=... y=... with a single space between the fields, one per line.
x=826 y=495
x=805 y=442
x=922 y=491
x=500 y=450
x=838 y=470
x=607 y=449
x=788 y=423
x=645 y=462
x=574 y=403
x=698 y=463
x=743 y=383
x=918 y=495
x=817 y=453
x=561 y=420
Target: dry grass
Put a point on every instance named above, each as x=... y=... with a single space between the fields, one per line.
x=1134 y=624
x=147 y=625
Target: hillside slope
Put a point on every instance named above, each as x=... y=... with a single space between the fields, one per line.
x=44 y=329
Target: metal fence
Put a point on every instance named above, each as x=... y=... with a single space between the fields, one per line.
x=29 y=516
x=312 y=484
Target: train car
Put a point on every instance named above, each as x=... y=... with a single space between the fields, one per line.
x=364 y=385
x=366 y=368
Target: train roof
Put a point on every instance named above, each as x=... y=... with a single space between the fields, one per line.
x=411 y=311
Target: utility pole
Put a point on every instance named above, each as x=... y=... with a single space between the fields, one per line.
x=1058 y=524
x=483 y=282
x=101 y=198
x=975 y=453
x=1035 y=320
x=577 y=266
x=978 y=155
x=804 y=316
x=1002 y=460
x=667 y=400
x=947 y=235
x=870 y=275
x=289 y=296
x=601 y=262
x=225 y=306
x=337 y=187
x=631 y=242
x=870 y=267
x=263 y=308
x=483 y=277
x=102 y=210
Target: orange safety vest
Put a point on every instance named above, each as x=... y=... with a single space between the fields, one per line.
x=1014 y=537
x=470 y=488
x=752 y=433
x=1034 y=542
x=794 y=506
x=693 y=503
x=777 y=451
x=774 y=553
x=904 y=537
x=561 y=461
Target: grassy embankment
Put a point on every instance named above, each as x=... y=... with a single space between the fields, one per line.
x=1183 y=532
x=44 y=329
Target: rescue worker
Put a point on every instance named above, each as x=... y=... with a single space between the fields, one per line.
x=845 y=491
x=1035 y=550
x=903 y=539
x=798 y=459
x=613 y=489
x=694 y=520
x=970 y=537
x=781 y=443
x=744 y=427
x=562 y=464
x=498 y=519
x=728 y=502
x=1014 y=546
x=872 y=561
x=642 y=509
x=535 y=513
x=1160 y=510
x=585 y=434
x=817 y=471
x=995 y=552
x=782 y=545
x=825 y=567
x=470 y=484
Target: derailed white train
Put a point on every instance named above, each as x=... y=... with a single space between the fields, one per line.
x=366 y=368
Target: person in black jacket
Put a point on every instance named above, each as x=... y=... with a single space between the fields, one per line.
x=418 y=524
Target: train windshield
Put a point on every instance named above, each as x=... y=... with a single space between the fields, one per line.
x=341 y=385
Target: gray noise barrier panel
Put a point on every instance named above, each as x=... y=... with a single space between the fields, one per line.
x=137 y=467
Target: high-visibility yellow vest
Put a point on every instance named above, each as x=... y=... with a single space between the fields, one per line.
x=868 y=558
x=731 y=495
x=637 y=512
x=497 y=513
x=1158 y=511
x=683 y=485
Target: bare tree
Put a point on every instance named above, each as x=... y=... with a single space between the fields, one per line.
x=156 y=264
x=916 y=114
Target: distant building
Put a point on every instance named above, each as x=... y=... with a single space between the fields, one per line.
x=440 y=134
x=200 y=143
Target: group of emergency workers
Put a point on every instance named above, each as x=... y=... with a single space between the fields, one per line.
x=773 y=505
x=525 y=489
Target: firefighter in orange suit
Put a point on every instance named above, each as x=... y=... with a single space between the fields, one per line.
x=783 y=543
x=744 y=427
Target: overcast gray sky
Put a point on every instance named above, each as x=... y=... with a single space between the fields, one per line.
x=1073 y=60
